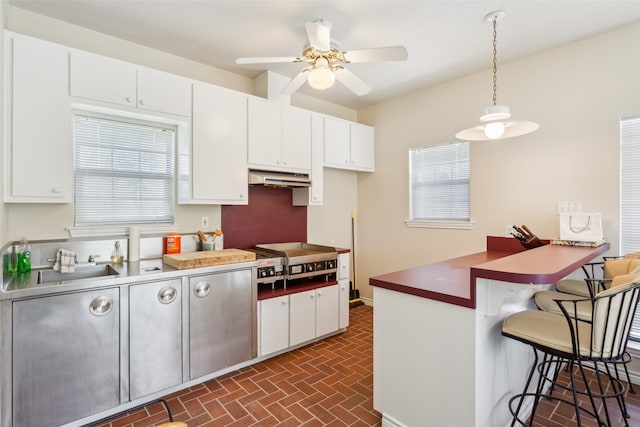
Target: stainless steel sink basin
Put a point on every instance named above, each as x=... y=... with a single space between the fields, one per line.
x=85 y=272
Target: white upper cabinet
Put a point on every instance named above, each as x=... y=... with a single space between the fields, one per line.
x=38 y=141
x=348 y=145
x=117 y=82
x=218 y=152
x=279 y=137
x=313 y=196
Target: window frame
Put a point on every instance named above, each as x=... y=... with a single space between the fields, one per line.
x=105 y=228
x=449 y=223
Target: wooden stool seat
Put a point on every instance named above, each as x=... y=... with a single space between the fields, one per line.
x=174 y=424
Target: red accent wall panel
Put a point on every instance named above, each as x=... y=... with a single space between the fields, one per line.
x=268 y=218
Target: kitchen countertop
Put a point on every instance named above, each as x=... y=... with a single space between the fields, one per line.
x=24 y=284
x=454 y=281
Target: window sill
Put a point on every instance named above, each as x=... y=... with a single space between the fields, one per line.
x=456 y=225
x=121 y=230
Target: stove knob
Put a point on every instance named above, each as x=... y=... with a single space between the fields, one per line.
x=271 y=272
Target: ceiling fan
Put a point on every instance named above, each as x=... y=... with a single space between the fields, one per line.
x=325 y=61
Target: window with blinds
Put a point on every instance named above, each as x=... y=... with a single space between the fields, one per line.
x=630 y=195
x=123 y=171
x=439 y=182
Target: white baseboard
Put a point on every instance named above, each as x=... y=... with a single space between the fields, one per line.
x=387 y=421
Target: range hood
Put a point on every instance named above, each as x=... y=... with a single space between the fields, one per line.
x=279 y=179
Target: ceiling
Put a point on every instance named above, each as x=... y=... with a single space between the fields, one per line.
x=445 y=39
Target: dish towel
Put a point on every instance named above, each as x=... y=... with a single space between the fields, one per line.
x=65 y=261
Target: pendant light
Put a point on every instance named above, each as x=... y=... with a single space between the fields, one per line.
x=496 y=122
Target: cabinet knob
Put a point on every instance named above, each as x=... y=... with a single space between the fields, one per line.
x=167 y=295
x=141 y=102
x=319 y=294
x=312 y=296
x=202 y=289
x=128 y=99
x=284 y=302
x=56 y=190
x=101 y=306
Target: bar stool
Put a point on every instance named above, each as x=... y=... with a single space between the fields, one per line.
x=609 y=268
x=573 y=340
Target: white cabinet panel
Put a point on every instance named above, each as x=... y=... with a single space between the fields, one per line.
x=38 y=143
x=164 y=92
x=102 y=78
x=117 y=82
x=265 y=133
x=343 y=266
x=349 y=145
x=362 y=147
x=314 y=195
x=327 y=310
x=218 y=157
x=296 y=138
x=302 y=315
x=279 y=137
x=344 y=303
x=274 y=325
x=336 y=142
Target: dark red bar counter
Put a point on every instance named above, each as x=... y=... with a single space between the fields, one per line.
x=454 y=281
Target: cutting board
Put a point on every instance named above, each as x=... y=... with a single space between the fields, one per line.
x=207 y=258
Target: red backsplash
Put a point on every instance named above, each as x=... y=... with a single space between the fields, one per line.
x=268 y=218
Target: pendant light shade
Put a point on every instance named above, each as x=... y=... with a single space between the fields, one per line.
x=321 y=76
x=496 y=122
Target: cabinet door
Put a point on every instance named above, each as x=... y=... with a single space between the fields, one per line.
x=219 y=146
x=362 y=147
x=336 y=143
x=222 y=321
x=327 y=310
x=313 y=196
x=343 y=304
x=265 y=133
x=155 y=337
x=103 y=79
x=164 y=92
x=39 y=162
x=66 y=357
x=296 y=139
x=302 y=317
x=274 y=325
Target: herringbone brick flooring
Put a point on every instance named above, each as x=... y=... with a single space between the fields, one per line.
x=328 y=383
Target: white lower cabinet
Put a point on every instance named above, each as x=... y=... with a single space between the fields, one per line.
x=274 y=325
x=343 y=305
x=300 y=317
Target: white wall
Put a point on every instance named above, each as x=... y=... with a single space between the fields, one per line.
x=48 y=221
x=577 y=93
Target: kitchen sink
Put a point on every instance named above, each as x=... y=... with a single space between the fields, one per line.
x=85 y=272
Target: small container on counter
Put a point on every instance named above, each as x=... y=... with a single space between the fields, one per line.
x=171 y=243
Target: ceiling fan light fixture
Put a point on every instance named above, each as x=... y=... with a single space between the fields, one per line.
x=496 y=122
x=321 y=76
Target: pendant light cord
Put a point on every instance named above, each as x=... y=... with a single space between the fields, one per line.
x=495 y=61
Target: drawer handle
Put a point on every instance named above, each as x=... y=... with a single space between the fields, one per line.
x=101 y=306
x=202 y=289
x=167 y=295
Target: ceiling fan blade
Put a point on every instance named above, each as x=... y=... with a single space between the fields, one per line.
x=267 y=60
x=319 y=34
x=295 y=83
x=352 y=81
x=379 y=54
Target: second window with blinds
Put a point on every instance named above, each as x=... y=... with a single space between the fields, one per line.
x=439 y=186
x=124 y=171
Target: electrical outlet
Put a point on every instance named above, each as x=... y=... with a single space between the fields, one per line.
x=204 y=222
x=509 y=230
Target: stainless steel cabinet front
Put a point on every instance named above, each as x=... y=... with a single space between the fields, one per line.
x=221 y=321
x=155 y=337
x=66 y=357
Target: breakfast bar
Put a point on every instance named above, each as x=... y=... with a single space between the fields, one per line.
x=439 y=357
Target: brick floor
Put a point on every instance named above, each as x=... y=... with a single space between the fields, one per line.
x=328 y=383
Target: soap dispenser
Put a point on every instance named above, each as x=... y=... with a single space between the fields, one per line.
x=116 y=256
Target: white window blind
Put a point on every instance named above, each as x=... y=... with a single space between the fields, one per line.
x=123 y=172
x=439 y=182
x=630 y=195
